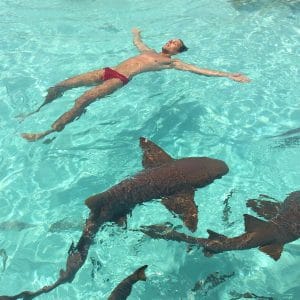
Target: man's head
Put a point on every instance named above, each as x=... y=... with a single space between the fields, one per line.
x=173 y=47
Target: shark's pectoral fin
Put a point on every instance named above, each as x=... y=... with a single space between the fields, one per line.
x=253 y=224
x=273 y=250
x=122 y=221
x=153 y=155
x=183 y=204
x=264 y=208
x=207 y=253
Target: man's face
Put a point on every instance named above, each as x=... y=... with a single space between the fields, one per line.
x=172 y=47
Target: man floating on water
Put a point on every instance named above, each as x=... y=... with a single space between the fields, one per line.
x=108 y=80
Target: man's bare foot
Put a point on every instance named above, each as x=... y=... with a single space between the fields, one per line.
x=31 y=137
x=239 y=77
x=53 y=93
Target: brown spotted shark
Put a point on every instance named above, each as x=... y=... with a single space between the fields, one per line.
x=282 y=227
x=123 y=289
x=173 y=180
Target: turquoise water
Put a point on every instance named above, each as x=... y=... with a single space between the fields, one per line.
x=43 y=42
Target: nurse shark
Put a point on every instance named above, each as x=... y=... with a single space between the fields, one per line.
x=173 y=180
x=282 y=227
x=123 y=289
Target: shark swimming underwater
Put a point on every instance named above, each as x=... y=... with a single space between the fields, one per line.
x=123 y=289
x=173 y=180
x=282 y=227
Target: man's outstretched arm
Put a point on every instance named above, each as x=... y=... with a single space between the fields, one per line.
x=137 y=40
x=180 y=65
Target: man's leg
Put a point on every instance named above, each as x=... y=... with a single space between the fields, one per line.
x=81 y=103
x=86 y=79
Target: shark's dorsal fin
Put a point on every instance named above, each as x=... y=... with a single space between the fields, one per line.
x=153 y=155
x=253 y=224
x=264 y=208
x=273 y=250
x=212 y=235
x=183 y=204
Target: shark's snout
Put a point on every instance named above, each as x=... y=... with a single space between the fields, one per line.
x=224 y=168
x=220 y=168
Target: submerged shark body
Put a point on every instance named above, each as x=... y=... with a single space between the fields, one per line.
x=282 y=227
x=14 y=226
x=123 y=289
x=175 y=181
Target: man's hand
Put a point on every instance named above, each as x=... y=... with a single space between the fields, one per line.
x=239 y=77
x=137 y=40
x=136 y=31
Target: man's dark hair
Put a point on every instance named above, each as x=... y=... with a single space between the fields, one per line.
x=183 y=47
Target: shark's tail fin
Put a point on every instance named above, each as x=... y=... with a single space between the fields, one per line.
x=140 y=273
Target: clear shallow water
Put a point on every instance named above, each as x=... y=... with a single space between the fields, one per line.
x=188 y=115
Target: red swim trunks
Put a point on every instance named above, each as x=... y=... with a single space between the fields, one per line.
x=110 y=73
